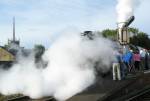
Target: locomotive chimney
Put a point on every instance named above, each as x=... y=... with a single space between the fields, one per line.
x=14 y=29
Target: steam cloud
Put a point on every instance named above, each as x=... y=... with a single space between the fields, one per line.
x=125 y=9
x=71 y=61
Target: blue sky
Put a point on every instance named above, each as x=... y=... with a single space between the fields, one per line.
x=38 y=21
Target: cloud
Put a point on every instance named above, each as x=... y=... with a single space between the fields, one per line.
x=142 y=16
x=43 y=19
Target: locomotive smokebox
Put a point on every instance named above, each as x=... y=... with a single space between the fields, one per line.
x=88 y=34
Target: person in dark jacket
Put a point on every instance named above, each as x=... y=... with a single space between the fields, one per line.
x=146 y=61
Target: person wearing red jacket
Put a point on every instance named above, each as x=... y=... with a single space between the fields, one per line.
x=137 y=59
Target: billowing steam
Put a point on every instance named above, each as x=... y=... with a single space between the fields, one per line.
x=125 y=9
x=71 y=68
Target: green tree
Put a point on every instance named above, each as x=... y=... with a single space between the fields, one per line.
x=141 y=39
x=39 y=51
x=109 y=33
x=138 y=38
x=135 y=31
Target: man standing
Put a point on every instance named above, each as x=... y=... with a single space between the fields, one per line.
x=127 y=58
x=142 y=53
x=116 y=66
x=146 y=61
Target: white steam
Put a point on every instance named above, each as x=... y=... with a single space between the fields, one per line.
x=125 y=9
x=71 y=61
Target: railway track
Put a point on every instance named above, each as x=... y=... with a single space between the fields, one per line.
x=26 y=98
x=21 y=98
x=143 y=95
x=46 y=99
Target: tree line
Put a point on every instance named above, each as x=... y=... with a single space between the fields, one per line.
x=137 y=37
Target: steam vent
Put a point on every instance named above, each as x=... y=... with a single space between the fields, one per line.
x=123 y=33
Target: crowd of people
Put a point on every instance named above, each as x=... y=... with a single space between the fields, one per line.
x=129 y=61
